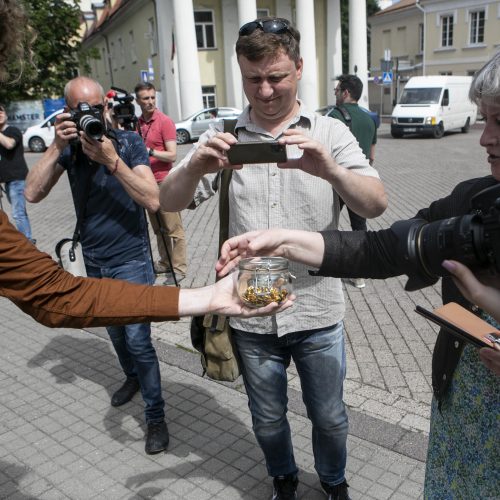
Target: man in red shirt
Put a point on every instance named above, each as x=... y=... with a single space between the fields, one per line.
x=159 y=135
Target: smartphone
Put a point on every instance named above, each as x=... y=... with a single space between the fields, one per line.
x=463 y=324
x=257 y=152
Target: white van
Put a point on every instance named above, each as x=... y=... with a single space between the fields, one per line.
x=433 y=105
x=38 y=138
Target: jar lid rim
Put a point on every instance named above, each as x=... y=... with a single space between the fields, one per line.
x=265 y=262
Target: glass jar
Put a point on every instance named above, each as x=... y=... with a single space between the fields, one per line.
x=263 y=280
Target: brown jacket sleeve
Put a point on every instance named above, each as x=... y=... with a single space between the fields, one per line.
x=38 y=286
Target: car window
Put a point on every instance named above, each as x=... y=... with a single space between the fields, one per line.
x=206 y=115
x=226 y=112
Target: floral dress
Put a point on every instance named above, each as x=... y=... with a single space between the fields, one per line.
x=463 y=460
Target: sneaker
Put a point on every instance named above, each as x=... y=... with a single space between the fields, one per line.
x=170 y=279
x=285 y=487
x=157 y=438
x=161 y=268
x=337 y=492
x=358 y=282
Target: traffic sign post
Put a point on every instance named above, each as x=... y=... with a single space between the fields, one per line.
x=387 y=77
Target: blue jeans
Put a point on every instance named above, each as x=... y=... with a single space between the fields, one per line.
x=15 y=195
x=320 y=360
x=132 y=343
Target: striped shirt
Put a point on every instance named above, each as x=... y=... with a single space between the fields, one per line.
x=263 y=196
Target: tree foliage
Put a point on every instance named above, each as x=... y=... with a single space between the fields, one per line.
x=56 y=51
x=371 y=8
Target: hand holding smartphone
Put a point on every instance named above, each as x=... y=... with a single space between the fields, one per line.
x=257 y=152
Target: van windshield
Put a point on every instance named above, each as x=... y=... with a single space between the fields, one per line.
x=420 y=96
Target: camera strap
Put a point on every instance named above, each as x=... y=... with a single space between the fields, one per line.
x=80 y=212
x=345 y=115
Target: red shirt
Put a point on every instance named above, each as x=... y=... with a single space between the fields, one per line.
x=155 y=132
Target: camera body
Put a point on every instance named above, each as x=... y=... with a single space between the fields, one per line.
x=124 y=109
x=473 y=239
x=257 y=152
x=89 y=119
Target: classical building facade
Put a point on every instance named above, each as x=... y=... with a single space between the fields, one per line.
x=430 y=37
x=186 y=47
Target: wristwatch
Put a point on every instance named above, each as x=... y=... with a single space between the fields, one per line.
x=151 y=151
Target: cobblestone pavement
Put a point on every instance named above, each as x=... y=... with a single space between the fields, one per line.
x=60 y=438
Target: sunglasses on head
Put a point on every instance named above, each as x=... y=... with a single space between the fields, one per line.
x=276 y=26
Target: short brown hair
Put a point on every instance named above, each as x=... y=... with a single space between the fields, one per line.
x=144 y=86
x=259 y=44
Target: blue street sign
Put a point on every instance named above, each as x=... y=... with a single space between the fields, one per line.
x=387 y=77
x=144 y=76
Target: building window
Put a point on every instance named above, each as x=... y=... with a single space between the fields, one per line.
x=446 y=31
x=152 y=35
x=205 y=29
x=113 y=56
x=476 y=27
x=445 y=73
x=133 y=52
x=421 y=38
x=262 y=13
x=208 y=95
x=104 y=60
x=121 y=48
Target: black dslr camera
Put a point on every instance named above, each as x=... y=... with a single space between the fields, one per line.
x=124 y=109
x=89 y=119
x=472 y=239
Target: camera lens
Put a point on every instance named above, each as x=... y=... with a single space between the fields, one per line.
x=457 y=238
x=92 y=126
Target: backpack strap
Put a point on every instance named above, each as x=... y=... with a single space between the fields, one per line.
x=345 y=114
x=225 y=179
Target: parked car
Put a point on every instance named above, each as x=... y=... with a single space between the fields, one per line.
x=192 y=127
x=328 y=110
x=38 y=138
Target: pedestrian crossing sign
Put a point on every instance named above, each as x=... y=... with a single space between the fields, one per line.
x=387 y=77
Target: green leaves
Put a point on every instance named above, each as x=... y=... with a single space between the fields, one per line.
x=57 y=55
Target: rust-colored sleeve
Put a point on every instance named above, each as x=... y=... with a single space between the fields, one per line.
x=37 y=285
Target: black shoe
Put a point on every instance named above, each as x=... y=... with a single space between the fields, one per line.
x=157 y=438
x=126 y=392
x=285 y=487
x=337 y=492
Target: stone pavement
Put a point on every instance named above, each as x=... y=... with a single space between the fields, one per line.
x=60 y=438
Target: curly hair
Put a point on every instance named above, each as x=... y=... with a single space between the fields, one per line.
x=16 y=38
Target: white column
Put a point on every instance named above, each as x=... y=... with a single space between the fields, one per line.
x=308 y=88
x=230 y=27
x=358 y=49
x=247 y=11
x=187 y=57
x=168 y=77
x=333 y=47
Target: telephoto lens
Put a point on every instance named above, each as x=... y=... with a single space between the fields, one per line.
x=92 y=126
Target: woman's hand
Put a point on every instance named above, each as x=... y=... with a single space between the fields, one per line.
x=486 y=297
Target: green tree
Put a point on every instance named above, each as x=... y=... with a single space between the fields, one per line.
x=56 y=51
x=371 y=8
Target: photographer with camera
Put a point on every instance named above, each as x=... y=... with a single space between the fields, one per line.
x=463 y=442
x=302 y=192
x=110 y=181
x=159 y=135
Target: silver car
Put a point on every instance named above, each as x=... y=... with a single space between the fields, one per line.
x=192 y=127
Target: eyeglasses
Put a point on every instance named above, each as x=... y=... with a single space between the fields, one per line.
x=276 y=26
